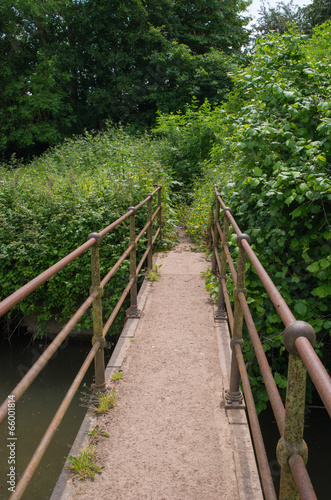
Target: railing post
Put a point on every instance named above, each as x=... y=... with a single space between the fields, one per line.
x=150 y=233
x=159 y=204
x=292 y=443
x=99 y=359
x=133 y=312
x=234 y=397
x=221 y=312
x=215 y=236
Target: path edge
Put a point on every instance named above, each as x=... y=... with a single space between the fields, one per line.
x=246 y=470
x=65 y=487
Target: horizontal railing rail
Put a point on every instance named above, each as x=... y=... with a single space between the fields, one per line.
x=99 y=330
x=299 y=338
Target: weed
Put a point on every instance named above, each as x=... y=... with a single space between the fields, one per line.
x=105 y=401
x=95 y=434
x=131 y=340
x=84 y=465
x=154 y=274
x=117 y=376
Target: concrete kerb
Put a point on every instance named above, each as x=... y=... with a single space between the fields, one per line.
x=65 y=488
x=248 y=480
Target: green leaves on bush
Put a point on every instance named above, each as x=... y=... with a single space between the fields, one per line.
x=48 y=208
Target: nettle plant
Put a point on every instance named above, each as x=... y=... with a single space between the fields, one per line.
x=281 y=191
x=271 y=162
x=49 y=207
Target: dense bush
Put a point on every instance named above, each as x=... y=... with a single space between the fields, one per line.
x=270 y=156
x=49 y=207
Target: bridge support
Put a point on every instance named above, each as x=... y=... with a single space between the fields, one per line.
x=234 y=397
x=133 y=311
x=99 y=359
x=291 y=445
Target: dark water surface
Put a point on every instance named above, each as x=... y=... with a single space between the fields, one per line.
x=317 y=434
x=36 y=408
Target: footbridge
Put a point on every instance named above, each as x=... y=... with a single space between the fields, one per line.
x=184 y=424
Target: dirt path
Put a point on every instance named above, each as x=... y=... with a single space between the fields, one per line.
x=169 y=437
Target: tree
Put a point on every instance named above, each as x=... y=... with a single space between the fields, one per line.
x=70 y=65
x=316 y=13
x=279 y=19
x=34 y=107
x=212 y=23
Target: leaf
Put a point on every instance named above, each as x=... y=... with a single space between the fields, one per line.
x=321 y=291
x=300 y=308
x=313 y=268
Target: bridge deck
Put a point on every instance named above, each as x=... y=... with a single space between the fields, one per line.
x=169 y=434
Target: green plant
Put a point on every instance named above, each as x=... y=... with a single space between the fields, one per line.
x=104 y=401
x=154 y=273
x=95 y=434
x=84 y=465
x=48 y=208
x=117 y=375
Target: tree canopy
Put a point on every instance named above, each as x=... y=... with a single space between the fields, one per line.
x=68 y=65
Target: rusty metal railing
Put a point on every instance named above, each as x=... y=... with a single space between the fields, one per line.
x=299 y=338
x=99 y=330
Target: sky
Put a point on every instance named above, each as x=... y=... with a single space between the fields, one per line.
x=255 y=6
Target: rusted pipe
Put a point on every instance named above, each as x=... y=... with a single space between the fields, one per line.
x=25 y=290
x=228 y=256
x=117 y=307
x=302 y=479
x=281 y=307
x=274 y=397
x=316 y=370
x=265 y=474
x=41 y=362
x=44 y=443
x=116 y=266
x=156 y=235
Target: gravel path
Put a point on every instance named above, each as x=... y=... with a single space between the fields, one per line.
x=169 y=436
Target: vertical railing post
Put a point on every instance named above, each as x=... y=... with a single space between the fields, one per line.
x=150 y=233
x=99 y=359
x=159 y=204
x=133 y=312
x=234 y=397
x=221 y=312
x=292 y=443
x=216 y=217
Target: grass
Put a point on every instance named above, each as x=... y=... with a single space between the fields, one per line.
x=104 y=401
x=95 y=434
x=117 y=376
x=154 y=274
x=84 y=465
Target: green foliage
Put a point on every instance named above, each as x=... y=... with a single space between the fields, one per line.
x=188 y=141
x=84 y=465
x=271 y=160
x=210 y=23
x=71 y=65
x=280 y=18
x=48 y=208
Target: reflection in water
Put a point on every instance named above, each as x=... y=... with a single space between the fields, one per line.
x=36 y=409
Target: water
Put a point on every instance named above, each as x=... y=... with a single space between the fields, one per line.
x=36 y=409
x=317 y=434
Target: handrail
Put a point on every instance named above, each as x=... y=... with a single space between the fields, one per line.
x=299 y=338
x=99 y=330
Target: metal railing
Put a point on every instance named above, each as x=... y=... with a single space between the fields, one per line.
x=99 y=330
x=299 y=339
